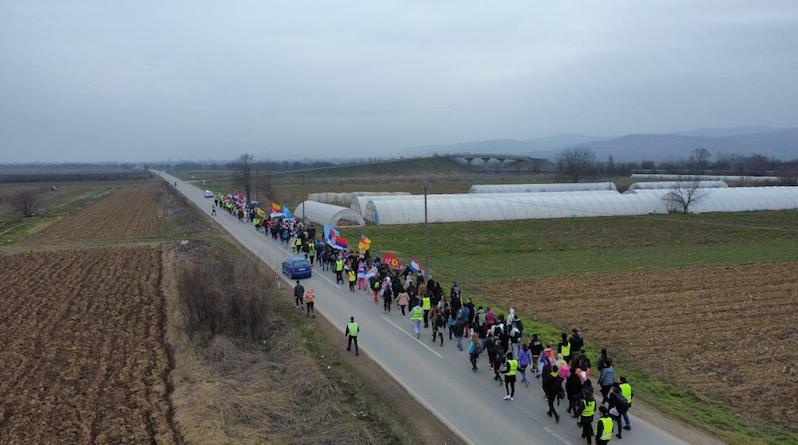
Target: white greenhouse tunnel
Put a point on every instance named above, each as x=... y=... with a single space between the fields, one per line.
x=346 y=197
x=732 y=199
x=727 y=178
x=360 y=203
x=512 y=207
x=327 y=214
x=656 y=185
x=541 y=188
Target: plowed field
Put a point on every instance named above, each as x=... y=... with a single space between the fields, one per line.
x=133 y=211
x=727 y=332
x=81 y=347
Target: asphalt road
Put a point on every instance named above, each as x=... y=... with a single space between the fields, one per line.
x=471 y=404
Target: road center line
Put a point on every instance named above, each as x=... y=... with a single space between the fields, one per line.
x=550 y=431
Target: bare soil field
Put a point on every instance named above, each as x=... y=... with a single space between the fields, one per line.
x=83 y=355
x=133 y=211
x=727 y=332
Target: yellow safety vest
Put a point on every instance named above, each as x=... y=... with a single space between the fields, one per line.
x=426 y=304
x=298 y=241
x=626 y=390
x=606 y=433
x=512 y=366
x=565 y=349
x=417 y=313
x=351 y=275
x=352 y=327
x=339 y=265
x=589 y=408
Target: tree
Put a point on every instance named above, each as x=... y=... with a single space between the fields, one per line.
x=26 y=202
x=684 y=193
x=242 y=173
x=265 y=183
x=699 y=159
x=575 y=163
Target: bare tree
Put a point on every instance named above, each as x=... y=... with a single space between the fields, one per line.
x=26 y=201
x=699 y=159
x=265 y=183
x=575 y=163
x=684 y=193
x=242 y=173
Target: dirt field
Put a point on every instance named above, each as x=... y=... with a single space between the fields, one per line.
x=133 y=211
x=83 y=358
x=727 y=332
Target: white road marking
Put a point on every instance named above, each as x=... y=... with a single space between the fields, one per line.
x=562 y=439
x=411 y=336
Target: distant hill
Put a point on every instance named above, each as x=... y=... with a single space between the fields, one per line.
x=769 y=141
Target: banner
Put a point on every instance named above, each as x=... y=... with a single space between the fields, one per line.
x=389 y=259
x=364 y=244
x=415 y=266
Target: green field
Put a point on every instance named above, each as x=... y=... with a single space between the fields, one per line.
x=478 y=251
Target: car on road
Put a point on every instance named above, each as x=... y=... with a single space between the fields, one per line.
x=208 y=194
x=297 y=267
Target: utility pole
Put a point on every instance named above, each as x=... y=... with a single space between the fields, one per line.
x=426 y=233
x=304 y=200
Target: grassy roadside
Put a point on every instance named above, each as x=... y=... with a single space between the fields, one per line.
x=475 y=253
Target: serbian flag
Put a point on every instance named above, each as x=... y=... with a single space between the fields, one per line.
x=339 y=242
x=415 y=266
x=389 y=259
x=364 y=244
x=330 y=232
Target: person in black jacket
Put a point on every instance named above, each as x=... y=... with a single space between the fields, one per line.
x=552 y=385
x=618 y=405
x=299 y=292
x=577 y=343
x=573 y=389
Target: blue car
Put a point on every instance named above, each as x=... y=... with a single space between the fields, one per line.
x=297 y=267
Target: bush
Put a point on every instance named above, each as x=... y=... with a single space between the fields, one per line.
x=223 y=297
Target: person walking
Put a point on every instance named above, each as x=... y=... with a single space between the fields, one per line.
x=510 y=369
x=402 y=300
x=604 y=427
x=426 y=305
x=564 y=348
x=536 y=348
x=577 y=343
x=552 y=385
x=606 y=380
x=310 y=300
x=352 y=331
x=626 y=392
x=339 y=271
x=473 y=351
x=387 y=299
x=515 y=338
x=352 y=275
x=587 y=410
x=213 y=211
x=573 y=390
x=617 y=405
x=438 y=325
x=299 y=292
x=416 y=317
x=524 y=360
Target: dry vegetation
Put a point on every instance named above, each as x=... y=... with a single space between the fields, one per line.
x=130 y=212
x=229 y=389
x=82 y=348
x=727 y=332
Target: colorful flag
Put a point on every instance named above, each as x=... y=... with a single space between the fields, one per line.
x=338 y=242
x=286 y=212
x=329 y=231
x=364 y=244
x=276 y=208
x=390 y=259
x=415 y=266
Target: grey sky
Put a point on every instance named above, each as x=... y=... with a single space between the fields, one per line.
x=152 y=80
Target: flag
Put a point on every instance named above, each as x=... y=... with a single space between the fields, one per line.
x=338 y=242
x=364 y=244
x=286 y=212
x=329 y=231
x=415 y=266
x=390 y=259
x=276 y=208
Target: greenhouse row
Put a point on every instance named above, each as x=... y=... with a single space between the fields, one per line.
x=541 y=188
x=732 y=199
x=727 y=178
x=346 y=197
x=655 y=185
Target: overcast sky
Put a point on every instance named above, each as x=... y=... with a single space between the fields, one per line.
x=156 y=80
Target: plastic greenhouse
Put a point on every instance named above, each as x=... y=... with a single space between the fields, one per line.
x=537 y=188
x=671 y=184
x=732 y=199
x=346 y=197
x=360 y=203
x=727 y=178
x=532 y=206
x=327 y=214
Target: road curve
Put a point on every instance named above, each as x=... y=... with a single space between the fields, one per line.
x=440 y=378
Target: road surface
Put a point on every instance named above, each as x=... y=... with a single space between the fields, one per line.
x=440 y=378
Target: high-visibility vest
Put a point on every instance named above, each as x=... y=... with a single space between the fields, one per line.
x=377 y=284
x=351 y=275
x=565 y=349
x=352 y=328
x=417 y=313
x=298 y=241
x=339 y=265
x=512 y=366
x=606 y=433
x=311 y=249
x=589 y=408
x=626 y=390
x=426 y=304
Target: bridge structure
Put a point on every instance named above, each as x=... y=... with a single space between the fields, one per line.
x=493 y=159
